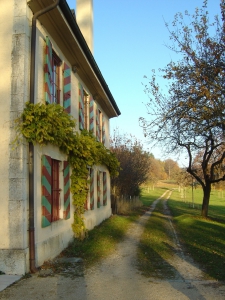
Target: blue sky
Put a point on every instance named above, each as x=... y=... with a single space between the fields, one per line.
x=129 y=41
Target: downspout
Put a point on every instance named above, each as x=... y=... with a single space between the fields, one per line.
x=33 y=268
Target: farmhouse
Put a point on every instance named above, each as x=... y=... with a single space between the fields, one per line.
x=47 y=58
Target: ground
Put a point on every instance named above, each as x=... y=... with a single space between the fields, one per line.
x=117 y=277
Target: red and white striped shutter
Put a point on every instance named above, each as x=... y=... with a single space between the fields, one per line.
x=48 y=70
x=66 y=177
x=67 y=88
x=92 y=184
x=97 y=125
x=81 y=107
x=91 y=114
x=46 y=184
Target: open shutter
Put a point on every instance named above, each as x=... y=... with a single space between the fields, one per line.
x=92 y=189
x=104 y=188
x=91 y=115
x=81 y=107
x=67 y=88
x=48 y=70
x=97 y=125
x=46 y=182
x=103 y=129
x=98 y=189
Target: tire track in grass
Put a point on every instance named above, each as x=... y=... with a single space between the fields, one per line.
x=189 y=271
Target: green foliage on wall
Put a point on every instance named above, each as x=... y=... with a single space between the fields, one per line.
x=50 y=124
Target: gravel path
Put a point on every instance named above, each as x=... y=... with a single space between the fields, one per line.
x=116 y=277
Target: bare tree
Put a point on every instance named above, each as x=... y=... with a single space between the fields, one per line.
x=191 y=116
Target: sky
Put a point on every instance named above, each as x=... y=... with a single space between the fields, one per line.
x=130 y=40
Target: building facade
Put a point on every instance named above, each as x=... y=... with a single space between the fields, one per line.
x=65 y=73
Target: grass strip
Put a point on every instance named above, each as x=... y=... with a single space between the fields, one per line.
x=155 y=247
x=102 y=240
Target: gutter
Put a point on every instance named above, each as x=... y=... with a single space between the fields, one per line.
x=31 y=229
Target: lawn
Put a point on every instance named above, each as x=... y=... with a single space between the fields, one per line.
x=204 y=238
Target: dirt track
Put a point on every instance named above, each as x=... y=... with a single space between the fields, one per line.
x=116 y=277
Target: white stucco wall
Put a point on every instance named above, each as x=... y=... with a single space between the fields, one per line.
x=14 y=38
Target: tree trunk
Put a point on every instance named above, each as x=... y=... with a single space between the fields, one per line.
x=206 y=197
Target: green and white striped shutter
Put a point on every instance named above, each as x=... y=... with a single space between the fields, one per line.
x=66 y=177
x=46 y=199
x=81 y=107
x=104 y=188
x=67 y=88
x=48 y=71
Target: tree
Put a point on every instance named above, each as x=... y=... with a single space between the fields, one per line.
x=156 y=171
x=134 y=163
x=171 y=168
x=190 y=117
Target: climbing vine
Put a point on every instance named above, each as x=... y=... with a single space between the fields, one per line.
x=50 y=124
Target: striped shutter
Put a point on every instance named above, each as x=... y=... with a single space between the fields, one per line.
x=86 y=202
x=91 y=115
x=97 y=125
x=92 y=189
x=104 y=188
x=66 y=177
x=67 y=88
x=48 y=70
x=81 y=107
x=98 y=189
x=46 y=184
x=103 y=129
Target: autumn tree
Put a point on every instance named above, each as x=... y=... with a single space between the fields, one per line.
x=190 y=116
x=171 y=168
x=134 y=163
x=156 y=171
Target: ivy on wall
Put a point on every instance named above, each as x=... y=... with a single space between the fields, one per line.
x=50 y=124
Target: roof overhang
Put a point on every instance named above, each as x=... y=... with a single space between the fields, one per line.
x=62 y=26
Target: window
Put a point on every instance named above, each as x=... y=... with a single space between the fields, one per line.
x=100 y=126
x=56 y=62
x=53 y=80
x=55 y=190
x=101 y=188
x=54 y=177
x=86 y=111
